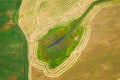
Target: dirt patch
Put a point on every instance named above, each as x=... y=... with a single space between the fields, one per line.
x=13 y=77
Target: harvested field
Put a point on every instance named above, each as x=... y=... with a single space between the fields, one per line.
x=100 y=59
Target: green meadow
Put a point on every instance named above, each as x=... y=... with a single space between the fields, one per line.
x=13 y=44
x=58 y=43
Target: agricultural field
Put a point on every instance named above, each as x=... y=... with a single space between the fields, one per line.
x=59 y=39
x=13 y=44
x=100 y=59
x=59 y=42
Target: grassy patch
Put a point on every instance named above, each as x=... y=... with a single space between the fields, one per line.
x=58 y=43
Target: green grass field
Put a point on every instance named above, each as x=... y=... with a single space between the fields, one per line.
x=13 y=45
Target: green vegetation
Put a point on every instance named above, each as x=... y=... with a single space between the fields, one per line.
x=15 y=17
x=3 y=19
x=13 y=45
x=59 y=42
